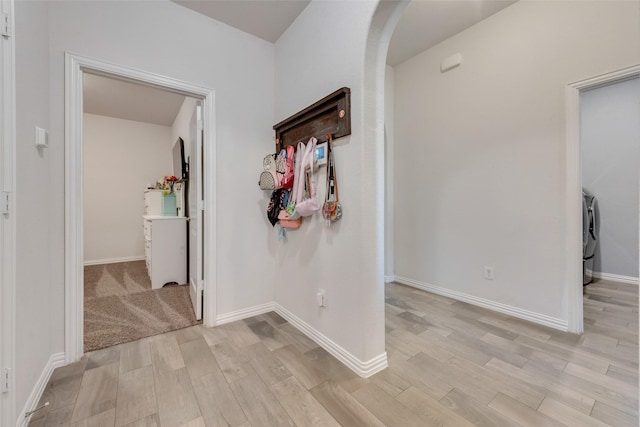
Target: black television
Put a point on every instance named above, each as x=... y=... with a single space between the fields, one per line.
x=180 y=167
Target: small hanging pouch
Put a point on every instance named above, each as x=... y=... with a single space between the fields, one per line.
x=287 y=222
x=331 y=210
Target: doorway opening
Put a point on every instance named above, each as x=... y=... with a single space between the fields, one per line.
x=575 y=248
x=135 y=172
x=191 y=197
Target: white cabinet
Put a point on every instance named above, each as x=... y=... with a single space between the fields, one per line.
x=165 y=240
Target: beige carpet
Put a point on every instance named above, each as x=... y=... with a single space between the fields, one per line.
x=120 y=306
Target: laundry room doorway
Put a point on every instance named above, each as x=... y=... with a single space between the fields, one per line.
x=609 y=156
x=602 y=153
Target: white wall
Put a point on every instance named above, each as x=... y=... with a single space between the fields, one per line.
x=239 y=67
x=480 y=150
x=181 y=126
x=340 y=259
x=121 y=158
x=389 y=131
x=610 y=151
x=36 y=337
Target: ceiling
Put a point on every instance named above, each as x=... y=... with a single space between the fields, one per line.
x=266 y=19
x=424 y=24
x=130 y=101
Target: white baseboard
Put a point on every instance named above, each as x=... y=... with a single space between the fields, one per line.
x=55 y=361
x=541 y=319
x=616 y=278
x=390 y=278
x=364 y=369
x=113 y=260
x=244 y=313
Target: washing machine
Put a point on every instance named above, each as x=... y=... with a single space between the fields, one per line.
x=590 y=231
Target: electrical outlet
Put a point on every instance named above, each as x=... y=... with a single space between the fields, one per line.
x=488 y=273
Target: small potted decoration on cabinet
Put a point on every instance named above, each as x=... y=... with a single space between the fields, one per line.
x=169 y=182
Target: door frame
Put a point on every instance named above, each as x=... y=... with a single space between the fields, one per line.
x=8 y=221
x=574 y=190
x=75 y=66
x=194 y=195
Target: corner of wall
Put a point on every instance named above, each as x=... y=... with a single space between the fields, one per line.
x=55 y=361
x=364 y=368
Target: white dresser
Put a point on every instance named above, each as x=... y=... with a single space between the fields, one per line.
x=165 y=249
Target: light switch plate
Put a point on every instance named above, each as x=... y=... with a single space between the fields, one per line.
x=320 y=298
x=42 y=138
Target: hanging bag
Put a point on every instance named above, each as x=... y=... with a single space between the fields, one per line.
x=289 y=173
x=281 y=160
x=269 y=178
x=278 y=199
x=306 y=192
x=287 y=222
x=331 y=210
x=296 y=180
x=286 y=217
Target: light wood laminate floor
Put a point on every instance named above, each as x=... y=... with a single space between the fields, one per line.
x=450 y=364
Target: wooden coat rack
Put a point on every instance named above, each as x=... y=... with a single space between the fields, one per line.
x=330 y=115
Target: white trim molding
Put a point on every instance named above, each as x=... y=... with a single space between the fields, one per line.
x=73 y=272
x=573 y=239
x=541 y=319
x=372 y=100
x=75 y=66
x=113 y=260
x=390 y=278
x=630 y=280
x=363 y=368
x=245 y=313
x=55 y=361
x=8 y=220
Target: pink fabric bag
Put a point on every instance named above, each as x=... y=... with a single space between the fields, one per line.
x=288 y=178
x=287 y=222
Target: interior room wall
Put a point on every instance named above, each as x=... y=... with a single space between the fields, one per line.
x=322 y=51
x=44 y=31
x=242 y=122
x=181 y=125
x=34 y=198
x=480 y=149
x=121 y=158
x=610 y=151
x=389 y=131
